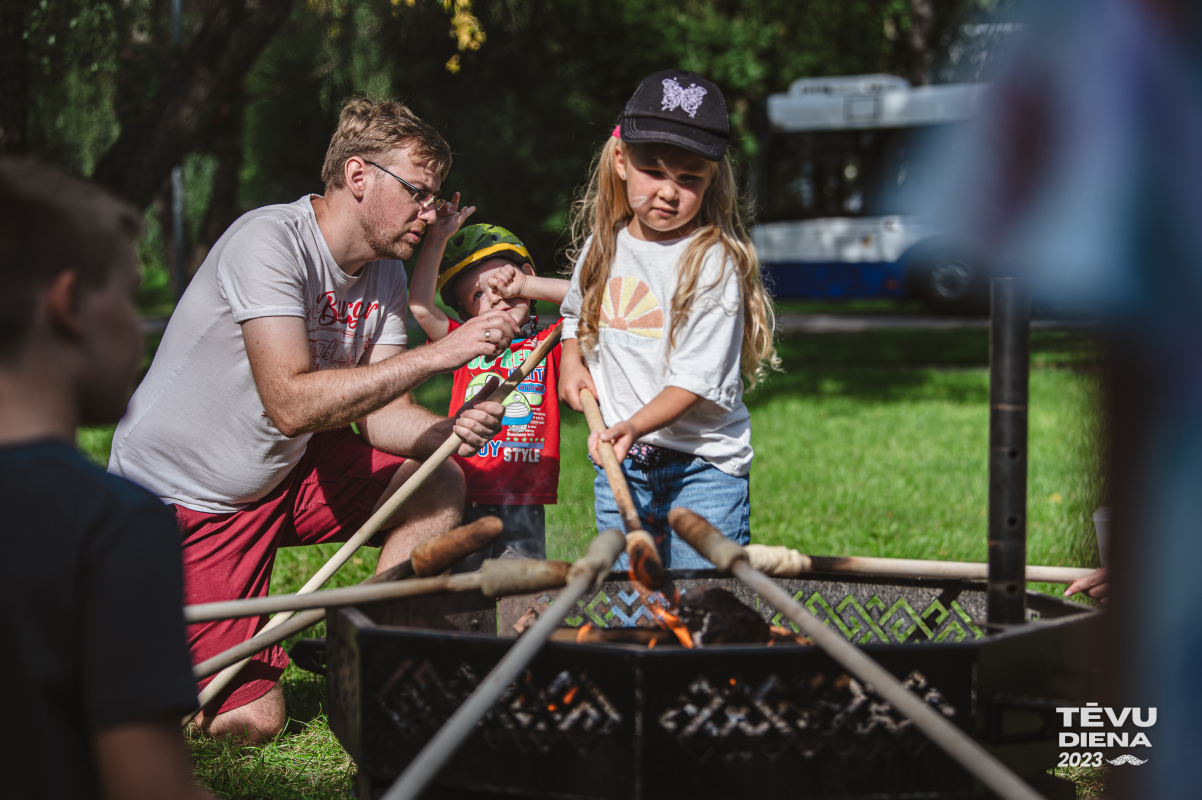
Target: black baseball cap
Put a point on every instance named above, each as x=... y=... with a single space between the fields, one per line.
x=681 y=108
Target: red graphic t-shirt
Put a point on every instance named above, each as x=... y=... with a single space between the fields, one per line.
x=520 y=466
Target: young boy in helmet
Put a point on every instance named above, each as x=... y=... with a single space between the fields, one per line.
x=478 y=269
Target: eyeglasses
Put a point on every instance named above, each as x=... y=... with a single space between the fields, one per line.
x=425 y=200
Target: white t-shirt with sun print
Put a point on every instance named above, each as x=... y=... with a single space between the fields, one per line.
x=631 y=363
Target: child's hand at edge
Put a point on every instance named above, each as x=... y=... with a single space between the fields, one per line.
x=573 y=375
x=1096 y=584
x=449 y=219
x=508 y=282
x=621 y=436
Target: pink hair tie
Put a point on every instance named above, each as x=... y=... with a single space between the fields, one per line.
x=618 y=131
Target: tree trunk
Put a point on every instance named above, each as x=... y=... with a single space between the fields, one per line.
x=210 y=70
x=223 y=201
x=921 y=38
x=14 y=78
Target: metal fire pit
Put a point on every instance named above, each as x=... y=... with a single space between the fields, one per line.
x=735 y=721
x=603 y=720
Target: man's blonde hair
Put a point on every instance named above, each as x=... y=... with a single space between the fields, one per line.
x=371 y=128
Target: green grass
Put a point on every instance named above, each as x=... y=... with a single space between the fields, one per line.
x=869 y=444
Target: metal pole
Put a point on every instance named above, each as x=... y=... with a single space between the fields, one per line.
x=1009 y=370
x=177 y=176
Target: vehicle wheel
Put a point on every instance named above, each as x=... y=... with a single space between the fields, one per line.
x=948 y=283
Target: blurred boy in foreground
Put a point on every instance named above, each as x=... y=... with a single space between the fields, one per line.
x=95 y=667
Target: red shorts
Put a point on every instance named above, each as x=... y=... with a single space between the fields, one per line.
x=326 y=498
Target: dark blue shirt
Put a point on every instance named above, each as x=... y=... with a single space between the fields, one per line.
x=91 y=621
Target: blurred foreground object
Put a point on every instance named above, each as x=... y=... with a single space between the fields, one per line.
x=1084 y=174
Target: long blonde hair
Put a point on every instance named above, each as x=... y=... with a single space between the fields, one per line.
x=603 y=210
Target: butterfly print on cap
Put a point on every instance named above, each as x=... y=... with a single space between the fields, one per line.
x=676 y=96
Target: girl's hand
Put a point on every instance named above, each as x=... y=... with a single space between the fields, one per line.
x=621 y=436
x=508 y=282
x=573 y=376
x=1095 y=584
x=449 y=219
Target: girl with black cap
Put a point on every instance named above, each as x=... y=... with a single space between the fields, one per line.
x=667 y=315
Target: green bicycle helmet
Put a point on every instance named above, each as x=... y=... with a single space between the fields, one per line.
x=474 y=244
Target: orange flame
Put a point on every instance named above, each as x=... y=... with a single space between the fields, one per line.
x=672 y=622
x=567 y=698
x=651 y=644
x=666 y=619
x=582 y=632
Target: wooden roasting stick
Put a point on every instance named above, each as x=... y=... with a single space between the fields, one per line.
x=496 y=578
x=403 y=493
x=429 y=558
x=585 y=574
x=640 y=547
x=729 y=557
x=784 y=562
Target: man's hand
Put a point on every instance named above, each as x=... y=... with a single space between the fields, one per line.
x=486 y=335
x=621 y=436
x=479 y=420
x=448 y=220
x=478 y=425
x=573 y=375
x=1096 y=584
x=508 y=282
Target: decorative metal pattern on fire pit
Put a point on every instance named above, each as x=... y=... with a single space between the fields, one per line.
x=419 y=701
x=739 y=719
x=898 y=623
x=860 y=611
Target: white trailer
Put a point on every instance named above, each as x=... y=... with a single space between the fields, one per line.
x=836 y=158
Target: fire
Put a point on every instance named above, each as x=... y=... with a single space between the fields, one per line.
x=651 y=644
x=672 y=622
x=582 y=633
x=665 y=618
x=567 y=698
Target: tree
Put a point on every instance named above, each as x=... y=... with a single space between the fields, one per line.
x=209 y=71
x=14 y=78
x=258 y=86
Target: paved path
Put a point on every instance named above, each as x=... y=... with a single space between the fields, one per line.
x=858 y=323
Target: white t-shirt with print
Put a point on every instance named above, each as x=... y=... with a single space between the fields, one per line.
x=196 y=432
x=631 y=363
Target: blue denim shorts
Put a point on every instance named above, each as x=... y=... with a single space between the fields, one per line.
x=695 y=484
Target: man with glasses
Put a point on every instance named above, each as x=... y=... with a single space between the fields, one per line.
x=293 y=329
